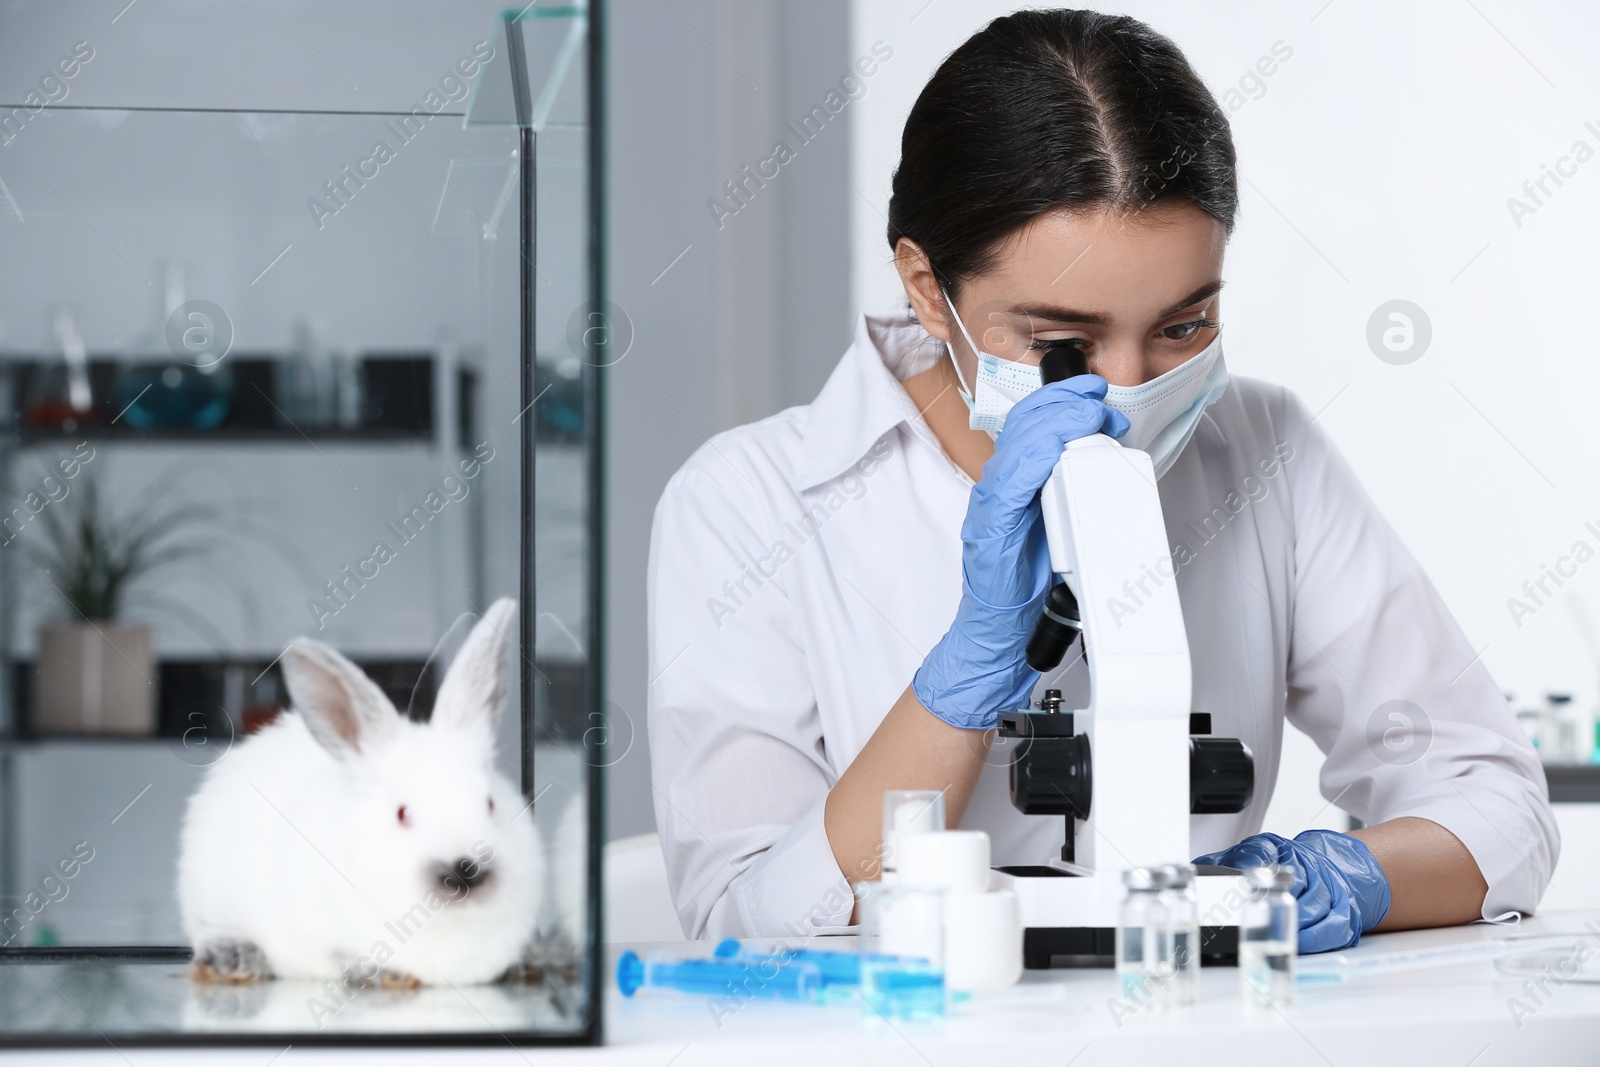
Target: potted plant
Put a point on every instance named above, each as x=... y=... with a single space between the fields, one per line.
x=96 y=669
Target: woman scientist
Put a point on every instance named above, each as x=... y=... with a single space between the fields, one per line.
x=840 y=594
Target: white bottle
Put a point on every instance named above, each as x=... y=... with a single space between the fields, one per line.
x=907 y=811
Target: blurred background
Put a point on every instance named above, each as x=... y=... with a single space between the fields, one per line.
x=1414 y=257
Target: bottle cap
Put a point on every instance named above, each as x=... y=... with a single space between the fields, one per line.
x=949 y=859
x=908 y=811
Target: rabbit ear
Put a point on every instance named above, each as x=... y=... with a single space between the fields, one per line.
x=345 y=710
x=475 y=685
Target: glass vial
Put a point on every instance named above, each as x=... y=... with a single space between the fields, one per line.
x=908 y=811
x=1183 y=910
x=1144 y=937
x=1269 y=931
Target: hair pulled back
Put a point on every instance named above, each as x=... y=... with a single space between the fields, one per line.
x=1052 y=110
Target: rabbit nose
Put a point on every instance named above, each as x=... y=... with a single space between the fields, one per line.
x=464 y=873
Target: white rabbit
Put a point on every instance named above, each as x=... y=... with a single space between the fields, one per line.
x=345 y=840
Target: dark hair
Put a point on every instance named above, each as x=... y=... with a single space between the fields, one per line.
x=1044 y=110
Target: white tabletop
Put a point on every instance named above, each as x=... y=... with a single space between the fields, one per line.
x=1466 y=1014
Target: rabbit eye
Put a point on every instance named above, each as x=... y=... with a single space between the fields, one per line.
x=491 y=805
x=402 y=816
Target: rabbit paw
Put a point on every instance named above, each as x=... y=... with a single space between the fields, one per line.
x=521 y=971
x=541 y=958
x=388 y=979
x=370 y=977
x=528 y=968
x=231 y=962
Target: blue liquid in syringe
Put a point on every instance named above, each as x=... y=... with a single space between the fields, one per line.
x=789 y=980
x=838 y=968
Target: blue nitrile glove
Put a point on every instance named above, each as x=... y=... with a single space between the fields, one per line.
x=1341 y=889
x=979 y=668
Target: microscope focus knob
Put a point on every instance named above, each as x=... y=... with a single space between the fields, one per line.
x=1222 y=775
x=1052 y=775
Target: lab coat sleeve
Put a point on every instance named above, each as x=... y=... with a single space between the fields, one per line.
x=736 y=745
x=1385 y=682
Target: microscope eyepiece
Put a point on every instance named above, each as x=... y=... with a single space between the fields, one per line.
x=1059 y=625
x=1059 y=364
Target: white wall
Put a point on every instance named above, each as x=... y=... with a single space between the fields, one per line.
x=1376 y=164
x=753 y=315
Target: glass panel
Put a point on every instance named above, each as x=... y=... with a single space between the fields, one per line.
x=547 y=87
x=268 y=376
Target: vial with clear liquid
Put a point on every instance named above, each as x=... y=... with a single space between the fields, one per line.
x=1183 y=911
x=1269 y=932
x=1144 y=938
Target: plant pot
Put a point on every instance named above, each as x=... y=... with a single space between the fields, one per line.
x=97 y=678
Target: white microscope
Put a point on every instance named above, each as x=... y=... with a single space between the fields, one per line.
x=1127 y=771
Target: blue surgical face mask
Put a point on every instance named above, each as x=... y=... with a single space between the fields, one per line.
x=1163 y=413
x=999 y=385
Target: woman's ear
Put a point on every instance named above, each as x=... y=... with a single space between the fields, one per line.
x=344 y=709
x=922 y=288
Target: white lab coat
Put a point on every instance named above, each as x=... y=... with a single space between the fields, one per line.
x=802 y=566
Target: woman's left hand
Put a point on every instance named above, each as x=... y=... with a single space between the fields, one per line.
x=980 y=667
x=1341 y=890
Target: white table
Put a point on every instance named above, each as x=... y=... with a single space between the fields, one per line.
x=1457 y=1016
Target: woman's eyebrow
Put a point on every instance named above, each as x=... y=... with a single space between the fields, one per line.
x=1055 y=313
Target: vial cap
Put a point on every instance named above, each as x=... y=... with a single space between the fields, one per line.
x=1139 y=878
x=1179 y=875
x=1270 y=877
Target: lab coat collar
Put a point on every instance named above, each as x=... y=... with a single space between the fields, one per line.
x=863 y=398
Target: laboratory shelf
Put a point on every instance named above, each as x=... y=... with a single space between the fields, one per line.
x=390 y=396
x=1573 y=783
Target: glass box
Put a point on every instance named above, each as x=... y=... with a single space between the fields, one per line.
x=271 y=376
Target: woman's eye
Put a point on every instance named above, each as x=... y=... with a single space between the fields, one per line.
x=1050 y=344
x=1186 y=330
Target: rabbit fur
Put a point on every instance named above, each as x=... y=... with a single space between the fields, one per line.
x=344 y=838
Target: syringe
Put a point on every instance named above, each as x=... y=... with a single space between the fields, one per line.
x=1339 y=967
x=905 y=986
x=768 y=977
x=838 y=968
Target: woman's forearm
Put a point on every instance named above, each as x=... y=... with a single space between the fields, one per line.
x=911 y=749
x=1433 y=879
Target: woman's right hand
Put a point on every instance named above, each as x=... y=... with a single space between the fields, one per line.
x=979 y=668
